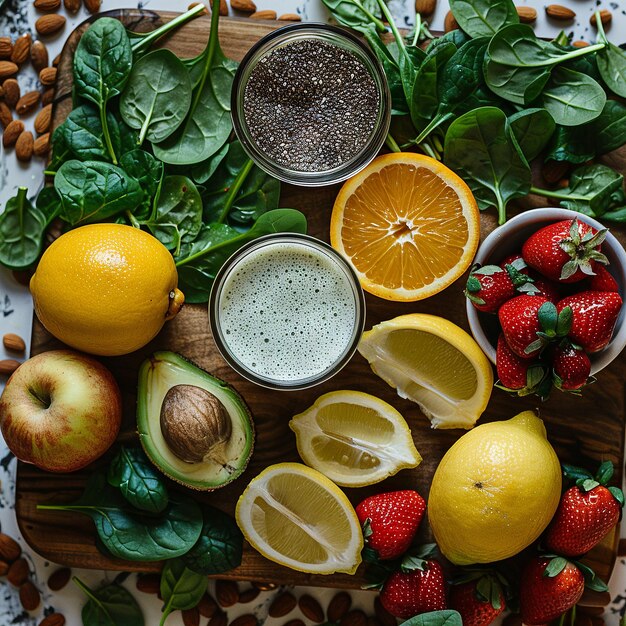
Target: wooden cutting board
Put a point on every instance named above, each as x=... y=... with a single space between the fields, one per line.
x=584 y=431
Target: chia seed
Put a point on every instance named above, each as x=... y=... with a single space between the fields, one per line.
x=310 y=105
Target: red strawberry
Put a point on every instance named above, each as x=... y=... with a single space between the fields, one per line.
x=478 y=601
x=390 y=521
x=602 y=281
x=547 y=289
x=594 y=314
x=566 y=251
x=586 y=513
x=515 y=373
x=571 y=367
x=406 y=594
x=548 y=588
x=517 y=261
x=490 y=286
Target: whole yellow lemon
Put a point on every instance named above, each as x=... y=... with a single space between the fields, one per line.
x=495 y=491
x=106 y=289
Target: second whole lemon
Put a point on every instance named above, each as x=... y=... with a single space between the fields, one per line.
x=106 y=289
x=494 y=491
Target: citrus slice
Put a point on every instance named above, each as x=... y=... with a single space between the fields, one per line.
x=408 y=224
x=295 y=516
x=433 y=362
x=354 y=439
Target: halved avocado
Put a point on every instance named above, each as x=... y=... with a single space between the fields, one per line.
x=194 y=427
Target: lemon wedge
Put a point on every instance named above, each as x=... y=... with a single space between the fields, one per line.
x=433 y=362
x=295 y=516
x=354 y=439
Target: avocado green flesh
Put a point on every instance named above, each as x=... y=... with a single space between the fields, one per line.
x=157 y=375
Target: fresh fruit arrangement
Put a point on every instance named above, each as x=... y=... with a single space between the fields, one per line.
x=556 y=303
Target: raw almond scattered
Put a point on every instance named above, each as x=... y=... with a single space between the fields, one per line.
x=527 y=15
x=6 y=47
x=243 y=5
x=450 y=23
x=48 y=76
x=47 y=5
x=39 y=55
x=245 y=620
x=11 y=341
x=559 y=12
x=27 y=102
x=339 y=606
x=249 y=595
x=579 y=43
x=605 y=17
x=425 y=7
x=9 y=548
x=71 y=6
x=21 y=49
x=354 y=618
x=191 y=617
x=49 y=24
x=12 y=92
x=149 y=583
x=18 y=572
x=4 y=568
x=93 y=6
x=24 y=146
x=42 y=121
x=282 y=604
x=311 y=608
x=47 y=96
x=223 y=7
x=59 y=578
x=54 y=619
x=207 y=606
x=29 y=596
x=263 y=15
x=218 y=619
x=5 y=114
x=227 y=593
x=290 y=17
x=7 y=68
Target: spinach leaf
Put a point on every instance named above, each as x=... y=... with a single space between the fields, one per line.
x=49 y=203
x=203 y=171
x=456 y=36
x=22 y=228
x=573 y=98
x=480 y=147
x=148 y=172
x=354 y=13
x=157 y=96
x=130 y=534
x=83 y=134
x=91 y=191
x=138 y=481
x=532 y=129
x=102 y=63
x=208 y=123
x=611 y=63
x=220 y=546
x=60 y=151
x=446 y=617
x=483 y=18
x=177 y=213
x=520 y=85
x=181 y=588
x=111 y=605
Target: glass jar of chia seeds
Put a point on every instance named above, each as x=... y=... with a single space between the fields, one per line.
x=310 y=104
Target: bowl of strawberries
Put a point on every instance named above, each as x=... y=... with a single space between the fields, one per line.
x=544 y=300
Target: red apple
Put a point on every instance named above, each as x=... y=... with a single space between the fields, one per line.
x=60 y=410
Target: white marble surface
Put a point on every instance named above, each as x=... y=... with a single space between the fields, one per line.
x=18 y=16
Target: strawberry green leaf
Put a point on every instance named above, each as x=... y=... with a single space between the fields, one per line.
x=548 y=316
x=574 y=473
x=483 y=589
x=555 y=567
x=535 y=345
x=367 y=528
x=618 y=494
x=587 y=484
x=425 y=551
x=591 y=579
x=488 y=270
x=412 y=563
x=605 y=472
x=435 y=618
x=369 y=555
x=564 y=321
x=473 y=284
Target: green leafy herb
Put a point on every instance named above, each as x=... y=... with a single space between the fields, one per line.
x=110 y=605
x=181 y=587
x=483 y=18
x=532 y=129
x=354 y=13
x=138 y=481
x=435 y=618
x=148 y=172
x=611 y=63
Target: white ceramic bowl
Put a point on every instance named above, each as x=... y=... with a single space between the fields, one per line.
x=508 y=239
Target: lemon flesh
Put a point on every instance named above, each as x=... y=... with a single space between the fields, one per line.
x=354 y=438
x=295 y=516
x=494 y=491
x=434 y=363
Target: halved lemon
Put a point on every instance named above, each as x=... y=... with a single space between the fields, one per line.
x=433 y=362
x=295 y=516
x=354 y=439
x=408 y=224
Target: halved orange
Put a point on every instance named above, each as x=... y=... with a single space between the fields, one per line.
x=408 y=224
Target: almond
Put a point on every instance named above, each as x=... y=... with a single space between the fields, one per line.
x=264 y=586
x=59 y=578
x=605 y=17
x=5 y=114
x=227 y=593
x=450 y=23
x=339 y=606
x=39 y=55
x=18 y=572
x=12 y=92
x=290 y=17
x=579 y=43
x=282 y=604
x=71 y=6
x=527 y=15
x=425 y=7
x=294 y=622
x=245 y=620
x=4 y=568
x=7 y=68
x=47 y=96
x=11 y=341
x=11 y=133
x=243 y=5
x=21 y=49
x=207 y=606
x=41 y=147
x=191 y=617
x=24 y=146
x=48 y=76
x=263 y=15
x=311 y=608
x=54 y=619
x=47 y=5
x=49 y=24
x=29 y=596
x=354 y=618
x=93 y=6
x=149 y=583
x=42 y=121
x=27 y=102
x=223 y=8
x=219 y=618
x=249 y=595
x=559 y=12
x=553 y=171
x=9 y=548
x=383 y=615
x=6 y=47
